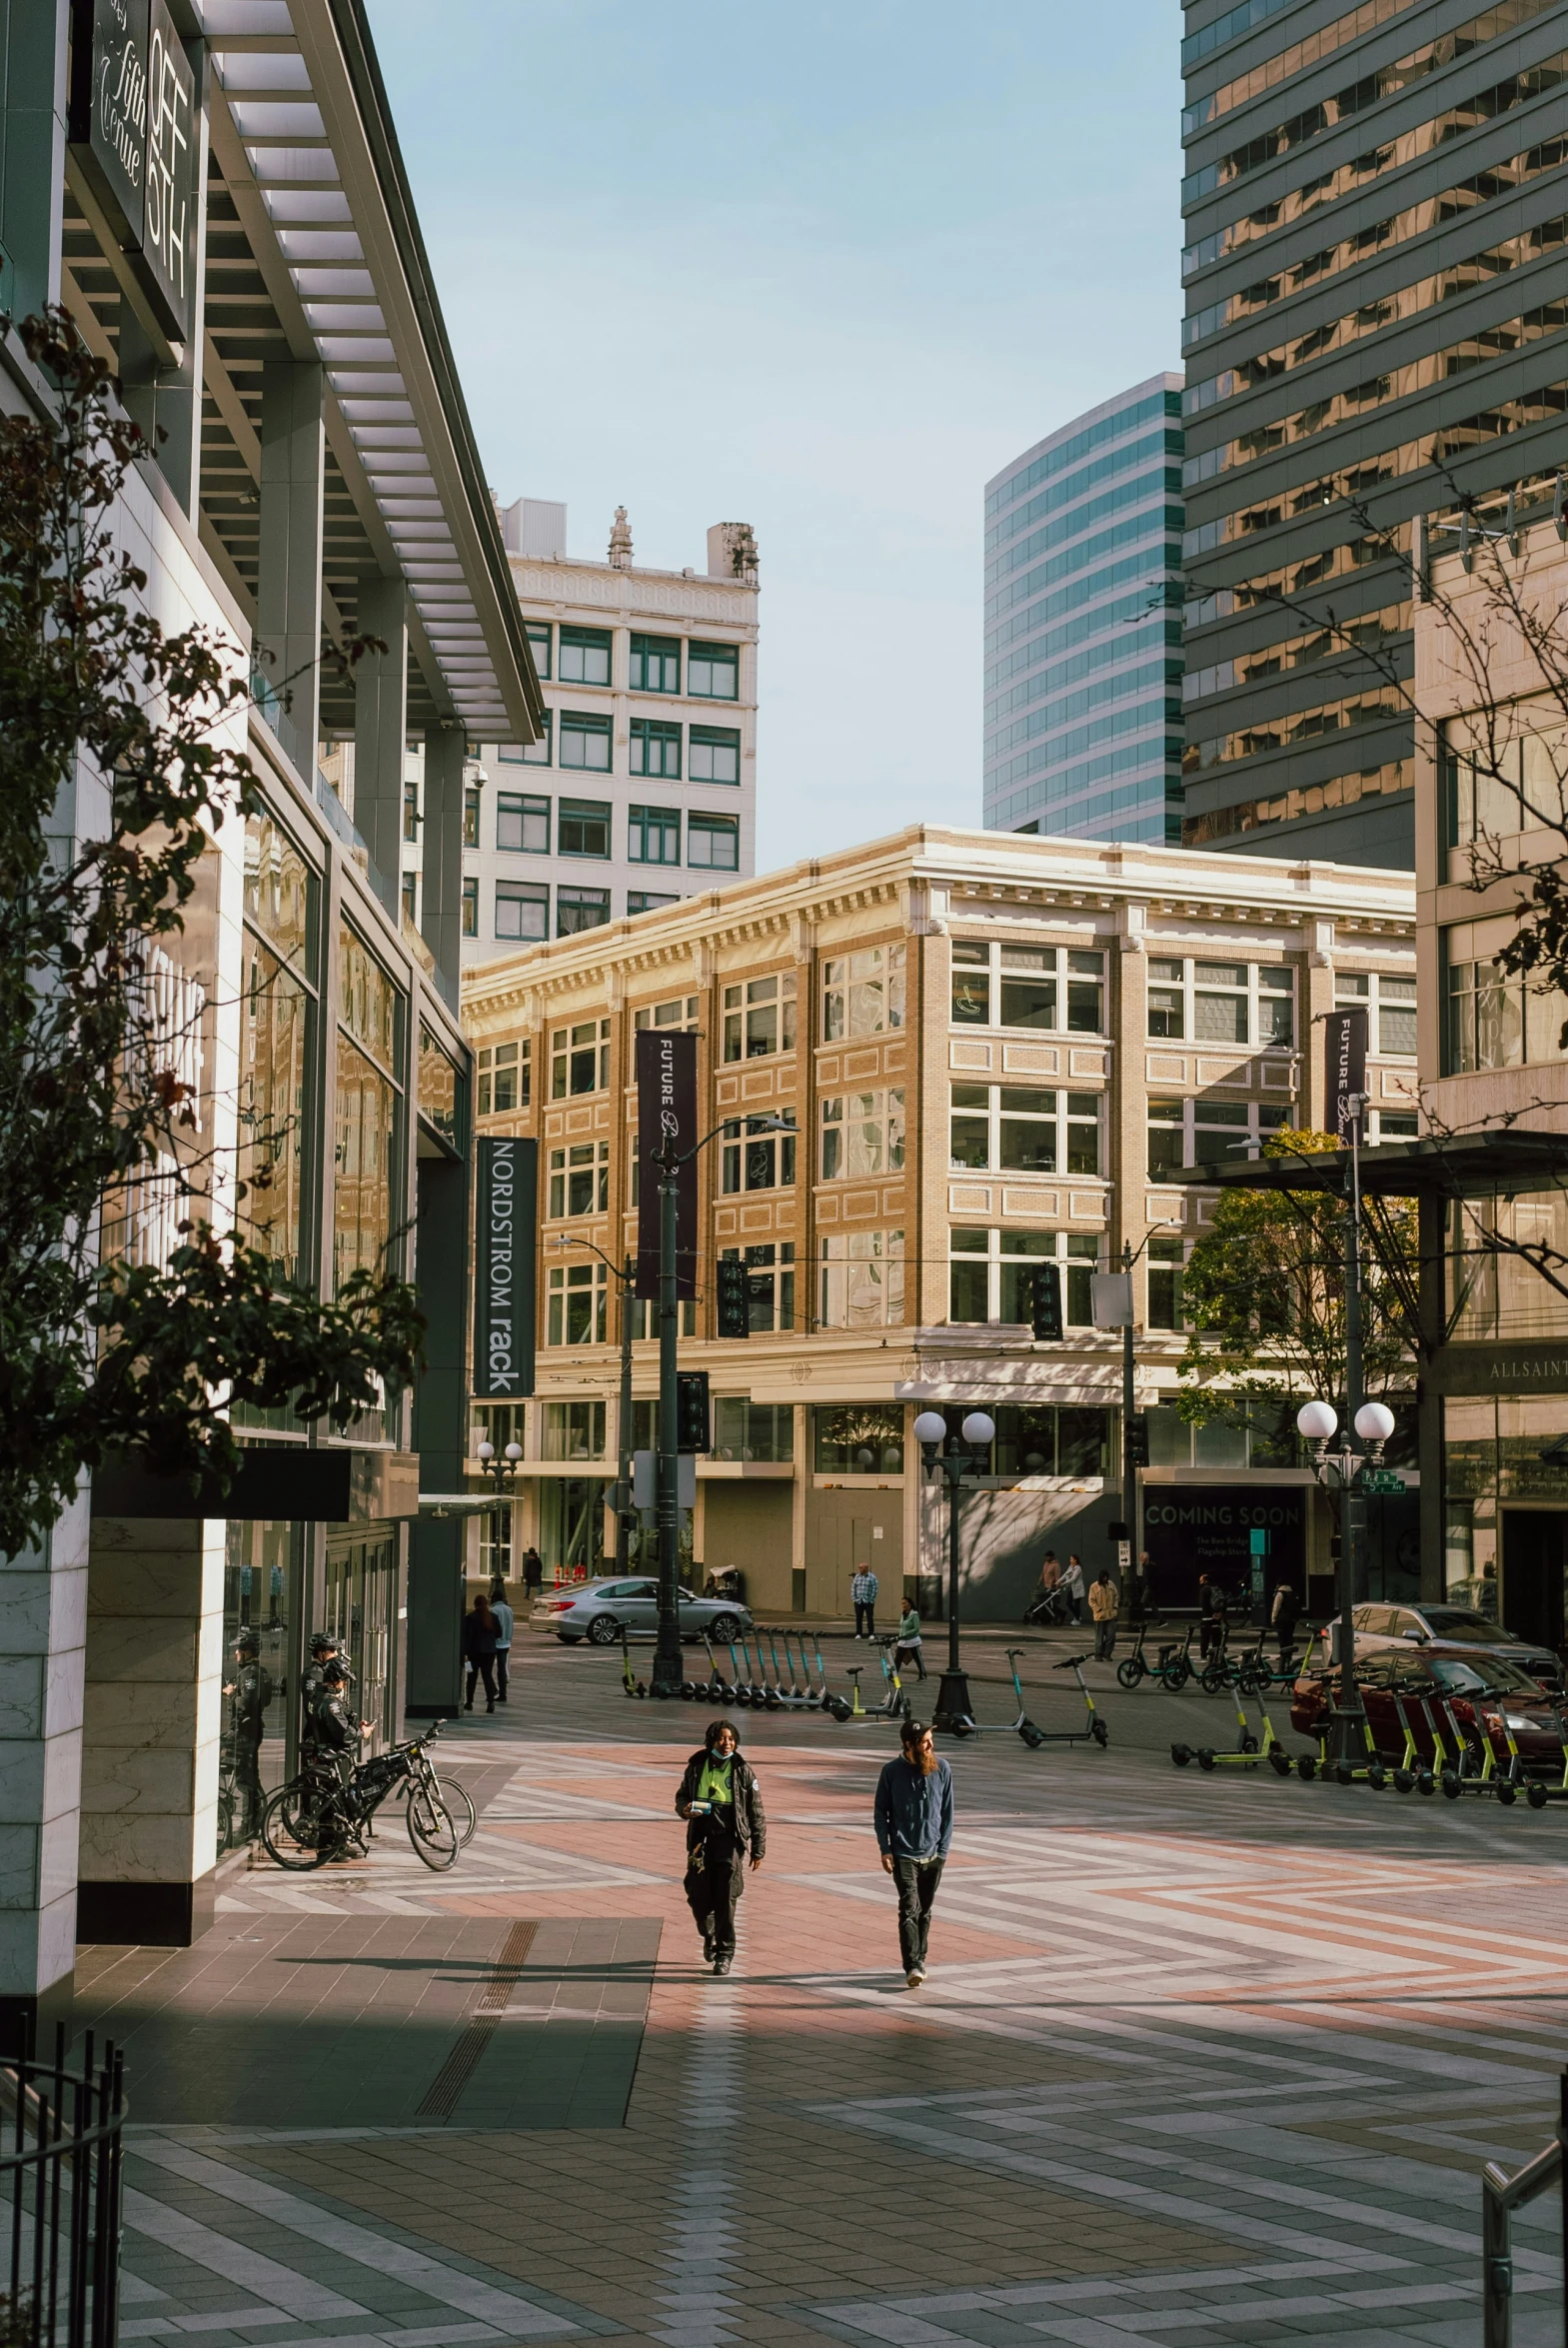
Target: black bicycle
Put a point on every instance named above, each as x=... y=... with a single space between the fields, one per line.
x=320 y=1817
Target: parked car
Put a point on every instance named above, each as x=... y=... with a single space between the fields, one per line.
x=1472 y=1692
x=1453 y=1626
x=595 y=1610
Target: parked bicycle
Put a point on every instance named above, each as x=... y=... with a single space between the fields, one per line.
x=318 y=1816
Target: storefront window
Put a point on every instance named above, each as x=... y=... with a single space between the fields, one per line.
x=860 y=1439
x=367 y=1188
x=1498 y=1291
x=358 y=1606
x=571 y=1527
x=442 y=1089
x=259 y=1732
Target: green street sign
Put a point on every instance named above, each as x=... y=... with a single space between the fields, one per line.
x=1385 y=1480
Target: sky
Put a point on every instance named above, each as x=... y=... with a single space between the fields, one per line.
x=819 y=267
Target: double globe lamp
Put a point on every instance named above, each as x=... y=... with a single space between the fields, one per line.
x=978 y=1434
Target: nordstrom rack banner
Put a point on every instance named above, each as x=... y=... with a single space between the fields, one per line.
x=504 y=1236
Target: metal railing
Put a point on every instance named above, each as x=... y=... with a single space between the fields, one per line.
x=1501 y=2195
x=60 y=2135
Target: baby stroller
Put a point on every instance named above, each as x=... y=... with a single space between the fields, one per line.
x=1051 y=1608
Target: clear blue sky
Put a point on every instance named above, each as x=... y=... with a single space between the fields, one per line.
x=819 y=267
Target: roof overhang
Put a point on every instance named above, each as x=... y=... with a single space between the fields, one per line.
x=1463 y=1166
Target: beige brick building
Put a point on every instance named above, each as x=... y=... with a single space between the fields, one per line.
x=992 y=1047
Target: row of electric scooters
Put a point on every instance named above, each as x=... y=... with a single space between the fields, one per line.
x=1455 y=1764
x=771 y=1684
x=1248 y=1669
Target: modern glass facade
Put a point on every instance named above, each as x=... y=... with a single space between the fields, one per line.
x=1082 y=625
x=1376 y=267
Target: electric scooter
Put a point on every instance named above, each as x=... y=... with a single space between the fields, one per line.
x=1247 y=1752
x=1132 y=1668
x=1095 y=1729
x=1023 y=1724
x=719 y=1689
x=895 y=1704
x=1411 y=1771
x=1174 y=1668
x=837 y=1707
x=787 y=1694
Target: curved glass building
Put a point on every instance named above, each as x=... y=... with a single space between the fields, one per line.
x=1083 y=625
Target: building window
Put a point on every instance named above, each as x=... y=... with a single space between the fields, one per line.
x=584 y=657
x=1041 y=1438
x=770 y=1289
x=410 y=899
x=862 y=1134
x=537 y=753
x=654 y=834
x=1390 y=1008
x=573 y=1430
x=760 y=1018
x=581 y=908
x=410 y=810
x=1221 y=1001
x=744 y=1429
x=1385 y=1125
x=656 y=749
x=579 y=1179
x=680 y=1012
x=471 y=909
x=1019 y=1129
x=504 y=1074
x=1184 y=1131
x=576 y=1305
x=1166 y=1257
x=862 y=993
x=715 y=753
x=1028 y=987
x=860 y=1439
x=645 y=1325
x=641 y=900
x=861 y=1280
x=755 y=1160
x=1495 y=790
x=522 y=910
x=539 y=646
x=579 y=1059
x=585 y=742
x=583 y=828
x=713 y=672
x=655 y=664
x=522 y=823
x=991 y=1275
x=471 y=818
x=713 y=843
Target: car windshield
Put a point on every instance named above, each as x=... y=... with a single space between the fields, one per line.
x=1482 y=1676
x=1458 y=1623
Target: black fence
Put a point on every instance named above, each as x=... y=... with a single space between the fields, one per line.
x=60 y=2198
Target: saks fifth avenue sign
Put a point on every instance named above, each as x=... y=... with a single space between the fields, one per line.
x=503 y=1298
x=135 y=131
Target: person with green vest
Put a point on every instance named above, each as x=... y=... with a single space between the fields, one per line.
x=722 y=1810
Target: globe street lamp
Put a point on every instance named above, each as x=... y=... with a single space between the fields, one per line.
x=1319 y=1422
x=952 y=1464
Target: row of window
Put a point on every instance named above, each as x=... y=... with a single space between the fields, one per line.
x=860 y=1285
x=582 y=655
x=577 y=739
x=521 y=908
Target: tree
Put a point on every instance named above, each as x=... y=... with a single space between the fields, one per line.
x=106 y=1347
x=1265 y=1296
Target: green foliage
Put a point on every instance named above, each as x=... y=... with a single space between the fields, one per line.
x=100 y=1352
x=1264 y=1297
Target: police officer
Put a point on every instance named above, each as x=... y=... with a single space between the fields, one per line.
x=324 y=1650
x=338 y=1735
x=249 y=1692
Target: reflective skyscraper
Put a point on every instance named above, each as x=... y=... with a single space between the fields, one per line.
x=1376 y=203
x=1083 y=625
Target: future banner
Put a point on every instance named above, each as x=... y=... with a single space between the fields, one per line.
x=1345 y=1064
x=504 y=1300
x=135 y=130
x=666 y=1119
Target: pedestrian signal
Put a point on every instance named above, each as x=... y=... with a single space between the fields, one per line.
x=734 y=1297
x=1048 y=1303
x=1137 y=1440
x=691 y=1412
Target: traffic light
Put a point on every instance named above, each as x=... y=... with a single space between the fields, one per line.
x=691 y=1412
x=734 y=1297
x=1137 y=1440
x=1048 y=1303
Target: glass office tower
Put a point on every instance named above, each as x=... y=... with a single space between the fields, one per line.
x=1084 y=627
x=1376 y=330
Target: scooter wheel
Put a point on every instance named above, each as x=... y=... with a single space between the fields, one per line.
x=771 y=1700
x=1425 y=1782
x=1376 y=1776
x=1535 y=1795
x=1280 y=1762
x=1248 y=1743
x=1032 y=1738
x=1306 y=1767
x=1403 y=1781
x=1100 y=1734
x=1180 y=1673
x=1128 y=1674
x=1205 y=1757
x=1344 y=1773
x=1451 y=1785
x=1210 y=1684
x=838 y=1708
x=742 y=1695
x=961 y=1727
x=1181 y=1754
x=1507 y=1796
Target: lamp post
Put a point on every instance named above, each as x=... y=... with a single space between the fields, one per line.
x=1374 y=1423
x=952 y=1464
x=666 y=1676
x=1114 y=1305
x=501 y=1469
x=624 y=1276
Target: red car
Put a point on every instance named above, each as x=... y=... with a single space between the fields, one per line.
x=1445 y=1695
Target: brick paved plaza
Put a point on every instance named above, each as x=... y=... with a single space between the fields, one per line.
x=1201 y=2059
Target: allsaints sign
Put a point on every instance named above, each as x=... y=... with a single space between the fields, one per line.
x=665 y=1117
x=1345 y=1065
x=135 y=131
x=503 y=1301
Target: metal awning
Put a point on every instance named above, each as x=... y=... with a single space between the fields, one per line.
x=1464 y=1166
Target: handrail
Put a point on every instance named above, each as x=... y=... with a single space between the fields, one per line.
x=1501 y=2195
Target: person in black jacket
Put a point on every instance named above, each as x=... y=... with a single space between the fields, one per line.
x=723 y=1807
x=480 y=1634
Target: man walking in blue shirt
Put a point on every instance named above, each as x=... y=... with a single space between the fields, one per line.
x=863 y=1591
x=914 y=1831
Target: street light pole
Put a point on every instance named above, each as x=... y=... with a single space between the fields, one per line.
x=624 y=1446
x=952 y=1696
x=664 y=1678
x=1352 y=1503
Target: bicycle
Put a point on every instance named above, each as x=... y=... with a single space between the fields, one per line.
x=317 y=1817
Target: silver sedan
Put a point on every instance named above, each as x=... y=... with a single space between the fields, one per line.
x=596 y=1610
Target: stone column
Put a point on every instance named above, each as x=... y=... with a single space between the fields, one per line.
x=43 y=1596
x=288 y=590
x=152 y=1717
x=441 y=887
x=380 y=690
